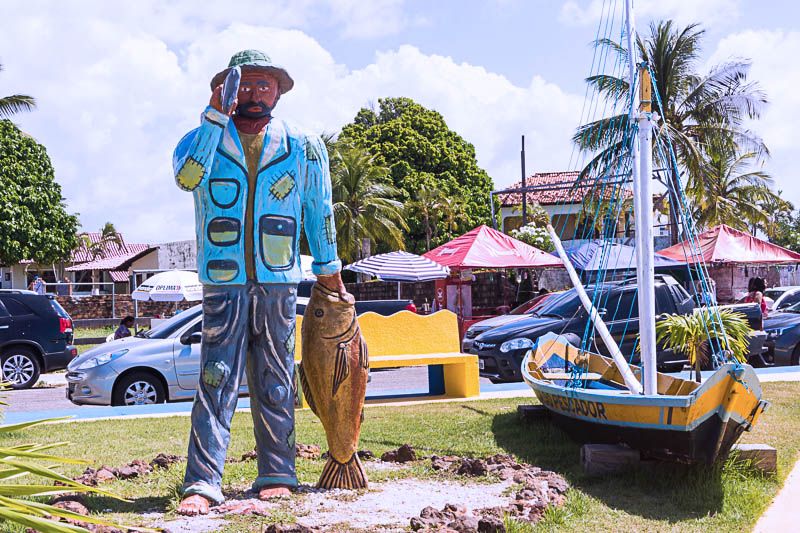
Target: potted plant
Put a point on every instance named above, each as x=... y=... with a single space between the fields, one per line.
x=692 y=335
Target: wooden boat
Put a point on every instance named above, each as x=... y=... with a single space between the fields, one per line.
x=606 y=400
x=685 y=421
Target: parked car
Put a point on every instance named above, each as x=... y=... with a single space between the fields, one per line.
x=500 y=350
x=35 y=337
x=782 y=297
x=515 y=314
x=163 y=364
x=783 y=336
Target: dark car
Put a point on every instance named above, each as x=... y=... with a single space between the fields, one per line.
x=783 y=336
x=35 y=337
x=515 y=314
x=500 y=350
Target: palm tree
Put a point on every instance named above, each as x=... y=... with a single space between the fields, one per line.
x=696 y=111
x=110 y=239
x=13 y=104
x=778 y=211
x=435 y=209
x=730 y=190
x=691 y=334
x=363 y=204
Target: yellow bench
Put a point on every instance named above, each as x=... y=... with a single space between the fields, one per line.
x=408 y=339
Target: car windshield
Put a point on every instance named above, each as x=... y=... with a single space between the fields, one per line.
x=560 y=305
x=773 y=293
x=530 y=305
x=165 y=329
x=792 y=308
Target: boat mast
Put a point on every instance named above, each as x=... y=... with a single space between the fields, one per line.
x=642 y=169
x=616 y=355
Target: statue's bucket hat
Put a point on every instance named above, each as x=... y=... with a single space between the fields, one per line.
x=255 y=59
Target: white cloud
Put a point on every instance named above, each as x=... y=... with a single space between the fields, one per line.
x=116 y=93
x=709 y=12
x=774 y=67
x=366 y=20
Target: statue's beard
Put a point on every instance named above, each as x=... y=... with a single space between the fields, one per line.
x=247 y=110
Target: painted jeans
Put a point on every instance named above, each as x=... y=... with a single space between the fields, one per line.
x=245 y=328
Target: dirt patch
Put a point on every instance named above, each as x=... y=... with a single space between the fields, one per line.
x=390 y=506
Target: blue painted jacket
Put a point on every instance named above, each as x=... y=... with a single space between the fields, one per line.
x=293 y=189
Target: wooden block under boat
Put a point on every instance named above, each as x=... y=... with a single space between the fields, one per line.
x=592 y=376
x=599 y=459
x=529 y=413
x=763 y=457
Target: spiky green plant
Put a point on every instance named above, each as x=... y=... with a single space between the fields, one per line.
x=17 y=503
x=691 y=335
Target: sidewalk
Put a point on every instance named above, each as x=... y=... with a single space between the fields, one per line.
x=488 y=391
x=782 y=514
x=81 y=413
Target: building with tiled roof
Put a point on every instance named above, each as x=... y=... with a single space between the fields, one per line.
x=111 y=268
x=569 y=204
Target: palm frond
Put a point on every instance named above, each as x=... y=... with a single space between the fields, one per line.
x=11 y=105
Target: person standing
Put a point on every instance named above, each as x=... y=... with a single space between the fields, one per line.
x=37 y=285
x=124 y=329
x=755 y=294
x=254 y=179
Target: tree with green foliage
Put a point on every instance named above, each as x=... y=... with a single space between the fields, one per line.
x=14 y=103
x=34 y=223
x=697 y=111
x=435 y=211
x=419 y=149
x=363 y=203
x=786 y=227
x=732 y=190
x=689 y=334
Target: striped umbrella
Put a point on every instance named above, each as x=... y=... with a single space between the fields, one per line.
x=400 y=266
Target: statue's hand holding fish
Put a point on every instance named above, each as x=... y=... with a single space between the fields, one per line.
x=333 y=373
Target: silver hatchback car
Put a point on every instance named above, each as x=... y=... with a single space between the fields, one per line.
x=161 y=365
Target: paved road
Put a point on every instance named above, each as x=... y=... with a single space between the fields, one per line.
x=53 y=397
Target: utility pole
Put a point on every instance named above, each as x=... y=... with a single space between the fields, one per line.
x=524 y=191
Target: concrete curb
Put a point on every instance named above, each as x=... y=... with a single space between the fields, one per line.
x=782 y=514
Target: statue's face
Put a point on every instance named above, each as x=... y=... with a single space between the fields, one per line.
x=258 y=92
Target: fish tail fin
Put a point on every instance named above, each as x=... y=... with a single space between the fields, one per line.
x=349 y=475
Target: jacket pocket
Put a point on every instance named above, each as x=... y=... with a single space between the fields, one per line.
x=222 y=270
x=277 y=235
x=224 y=231
x=224 y=192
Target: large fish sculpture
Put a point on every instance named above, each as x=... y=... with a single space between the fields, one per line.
x=333 y=374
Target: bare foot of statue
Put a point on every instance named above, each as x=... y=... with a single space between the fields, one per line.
x=193 y=505
x=274 y=491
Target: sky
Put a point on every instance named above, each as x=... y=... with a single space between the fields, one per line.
x=119 y=83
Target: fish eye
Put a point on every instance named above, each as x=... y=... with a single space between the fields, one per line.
x=318 y=312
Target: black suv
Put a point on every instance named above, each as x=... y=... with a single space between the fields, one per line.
x=500 y=350
x=35 y=337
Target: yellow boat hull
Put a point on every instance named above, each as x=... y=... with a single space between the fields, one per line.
x=686 y=421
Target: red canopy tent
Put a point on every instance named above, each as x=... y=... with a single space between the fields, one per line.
x=484 y=247
x=725 y=245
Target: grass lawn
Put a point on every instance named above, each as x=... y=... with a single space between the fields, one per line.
x=658 y=497
x=82 y=333
x=83 y=347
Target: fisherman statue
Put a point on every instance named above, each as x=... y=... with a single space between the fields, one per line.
x=255 y=178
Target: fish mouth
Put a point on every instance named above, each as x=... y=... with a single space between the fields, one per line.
x=336 y=301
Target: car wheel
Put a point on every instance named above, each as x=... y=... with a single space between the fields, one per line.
x=20 y=368
x=796 y=355
x=139 y=388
